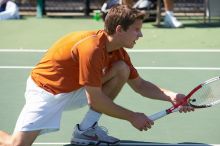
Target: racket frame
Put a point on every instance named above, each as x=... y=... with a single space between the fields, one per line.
x=176 y=107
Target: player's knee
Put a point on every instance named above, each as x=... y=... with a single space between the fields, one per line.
x=5 y=139
x=18 y=142
x=123 y=70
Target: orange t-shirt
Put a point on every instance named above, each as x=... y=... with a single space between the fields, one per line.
x=76 y=60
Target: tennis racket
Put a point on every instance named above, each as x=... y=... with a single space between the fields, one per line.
x=204 y=95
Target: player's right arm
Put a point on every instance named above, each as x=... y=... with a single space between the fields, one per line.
x=103 y=104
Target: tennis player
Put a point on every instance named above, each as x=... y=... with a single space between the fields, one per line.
x=88 y=67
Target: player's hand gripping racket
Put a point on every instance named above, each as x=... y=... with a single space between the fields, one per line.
x=204 y=95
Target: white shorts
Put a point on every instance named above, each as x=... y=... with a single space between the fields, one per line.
x=43 y=110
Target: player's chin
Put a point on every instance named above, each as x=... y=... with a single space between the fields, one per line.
x=130 y=46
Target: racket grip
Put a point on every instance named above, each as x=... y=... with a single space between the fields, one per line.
x=161 y=114
x=158 y=115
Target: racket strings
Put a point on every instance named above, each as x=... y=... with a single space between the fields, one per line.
x=208 y=95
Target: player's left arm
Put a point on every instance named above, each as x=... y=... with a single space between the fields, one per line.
x=150 y=90
x=153 y=91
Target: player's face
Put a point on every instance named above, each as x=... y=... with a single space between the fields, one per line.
x=132 y=34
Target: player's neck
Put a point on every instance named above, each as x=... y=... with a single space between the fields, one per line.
x=112 y=44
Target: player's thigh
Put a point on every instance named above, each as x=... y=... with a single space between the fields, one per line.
x=76 y=99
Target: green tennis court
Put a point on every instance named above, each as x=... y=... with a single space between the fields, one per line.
x=176 y=59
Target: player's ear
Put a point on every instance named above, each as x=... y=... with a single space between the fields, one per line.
x=118 y=28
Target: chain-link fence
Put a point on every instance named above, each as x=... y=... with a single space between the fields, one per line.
x=59 y=6
x=189 y=6
x=84 y=7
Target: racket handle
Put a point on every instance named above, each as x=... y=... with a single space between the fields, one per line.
x=161 y=114
x=158 y=115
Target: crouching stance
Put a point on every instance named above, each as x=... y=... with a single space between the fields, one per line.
x=88 y=67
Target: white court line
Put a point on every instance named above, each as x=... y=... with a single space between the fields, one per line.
x=132 y=51
x=128 y=50
x=138 y=68
x=50 y=143
x=174 y=50
x=22 y=50
x=141 y=144
x=177 y=68
x=16 y=67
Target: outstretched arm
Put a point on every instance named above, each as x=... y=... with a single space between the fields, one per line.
x=150 y=90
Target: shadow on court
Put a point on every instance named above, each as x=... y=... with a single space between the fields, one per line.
x=141 y=143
